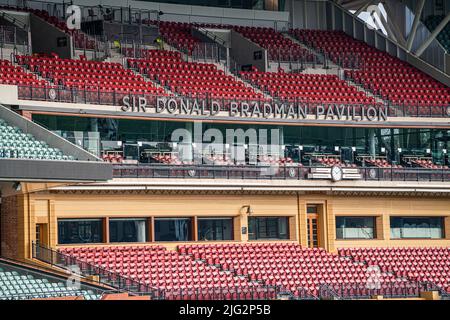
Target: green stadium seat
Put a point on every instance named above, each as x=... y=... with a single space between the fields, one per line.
x=15 y=144
x=20 y=285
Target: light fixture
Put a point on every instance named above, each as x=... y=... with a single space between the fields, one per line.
x=17 y=186
x=444 y=151
x=249 y=210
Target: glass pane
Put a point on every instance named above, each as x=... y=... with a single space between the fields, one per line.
x=80 y=231
x=421 y=227
x=355 y=227
x=268 y=228
x=127 y=230
x=173 y=229
x=215 y=229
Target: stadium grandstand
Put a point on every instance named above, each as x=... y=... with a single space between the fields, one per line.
x=267 y=150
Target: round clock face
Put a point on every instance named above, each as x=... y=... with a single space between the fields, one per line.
x=336 y=173
x=52 y=94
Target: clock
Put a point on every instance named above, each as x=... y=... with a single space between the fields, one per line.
x=336 y=173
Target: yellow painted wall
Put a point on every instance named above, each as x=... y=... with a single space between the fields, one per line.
x=50 y=207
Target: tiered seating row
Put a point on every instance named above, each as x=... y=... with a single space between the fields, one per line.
x=385 y=75
x=288 y=265
x=280 y=48
x=308 y=87
x=13 y=75
x=90 y=75
x=15 y=144
x=191 y=79
x=16 y=284
x=419 y=264
x=203 y=271
x=162 y=269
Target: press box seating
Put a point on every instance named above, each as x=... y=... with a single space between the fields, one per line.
x=428 y=164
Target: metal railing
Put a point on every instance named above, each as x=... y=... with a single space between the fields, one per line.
x=44 y=295
x=282 y=172
x=390 y=290
x=99 y=274
x=93 y=95
x=259 y=292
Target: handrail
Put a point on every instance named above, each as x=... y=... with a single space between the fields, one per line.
x=114 y=97
x=214 y=37
x=55 y=294
x=276 y=172
x=13 y=20
x=103 y=276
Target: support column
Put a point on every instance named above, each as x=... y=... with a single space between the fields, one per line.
x=106 y=230
x=386 y=227
x=53 y=225
x=330 y=226
x=302 y=221
x=412 y=33
x=433 y=35
x=195 y=228
x=447 y=227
